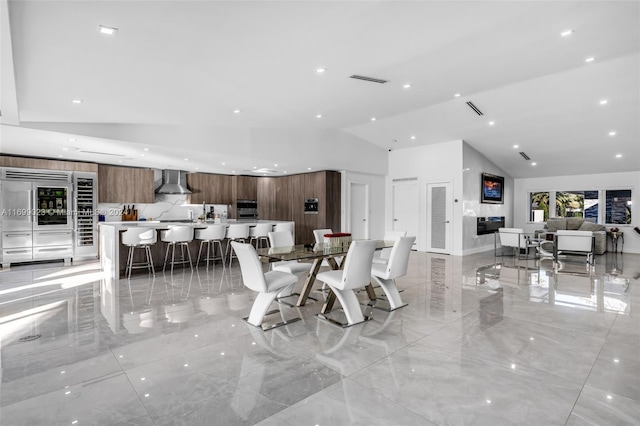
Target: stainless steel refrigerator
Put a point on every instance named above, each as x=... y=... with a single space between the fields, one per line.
x=37 y=216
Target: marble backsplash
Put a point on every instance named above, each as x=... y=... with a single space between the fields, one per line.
x=166 y=206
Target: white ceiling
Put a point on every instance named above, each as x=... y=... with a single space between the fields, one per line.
x=191 y=64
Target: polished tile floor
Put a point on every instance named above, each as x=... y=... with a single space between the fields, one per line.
x=482 y=342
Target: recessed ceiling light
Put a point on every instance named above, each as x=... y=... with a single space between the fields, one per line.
x=146 y=149
x=516 y=146
x=566 y=33
x=233 y=171
x=604 y=102
x=60 y=155
x=107 y=30
x=373 y=119
x=612 y=133
x=255 y=167
x=534 y=164
x=491 y=123
x=236 y=111
x=141 y=155
x=457 y=95
x=618 y=155
x=224 y=164
x=275 y=165
x=413 y=138
x=590 y=59
x=406 y=86
x=308 y=168
x=197 y=168
x=119 y=161
x=320 y=70
x=186 y=159
x=319 y=116
x=76 y=101
x=72 y=139
x=285 y=172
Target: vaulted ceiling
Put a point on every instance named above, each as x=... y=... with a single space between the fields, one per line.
x=191 y=65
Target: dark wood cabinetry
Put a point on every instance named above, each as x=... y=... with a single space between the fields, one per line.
x=245 y=188
x=267 y=189
x=125 y=185
x=278 y=198
x=209 y=188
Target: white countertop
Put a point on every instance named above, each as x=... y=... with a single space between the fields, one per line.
x=161 y=225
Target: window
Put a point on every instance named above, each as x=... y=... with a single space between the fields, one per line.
x=577 y=204
x=618 y=206
x=538 y=206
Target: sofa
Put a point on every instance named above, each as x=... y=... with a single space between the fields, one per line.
x=579 y=224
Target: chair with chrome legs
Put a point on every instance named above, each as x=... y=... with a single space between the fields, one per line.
x=356 y=274
x=139 y=238
x=180 y=235
x=211 y=235
x=238 y=233
x=385 y=275
x=382 y=256
x=295 y=267
x=268 y=285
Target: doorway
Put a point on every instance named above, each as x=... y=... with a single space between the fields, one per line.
x=439 y=217
x=406 y=207
x=359 y=210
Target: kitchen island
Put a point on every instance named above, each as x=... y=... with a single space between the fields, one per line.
x=113 y=254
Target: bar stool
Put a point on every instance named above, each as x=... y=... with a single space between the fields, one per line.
x=260 y=234
x=139 y=238
x=283 y=226
x=211 y=235
x=177 y=235
x=238 y=233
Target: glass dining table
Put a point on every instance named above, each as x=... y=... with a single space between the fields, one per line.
x=315 y=253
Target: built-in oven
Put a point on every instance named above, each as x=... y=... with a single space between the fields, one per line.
x=247 y=209
x=311 y=206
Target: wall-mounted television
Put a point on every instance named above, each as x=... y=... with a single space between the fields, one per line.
x=492 y=191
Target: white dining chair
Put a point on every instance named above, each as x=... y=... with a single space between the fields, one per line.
x=385 y=274
x=382 y=256
x=268 y=285
x=295 y=267
x=356 y=274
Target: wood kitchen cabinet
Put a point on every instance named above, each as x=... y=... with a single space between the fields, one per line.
x=267 y=204
x=125 y=185
x=209 y=188
x=326 y=187
x=245 y=188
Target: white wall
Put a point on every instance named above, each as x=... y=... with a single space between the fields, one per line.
x=628 y=180
x=474 y=164
x=435 y=163
x=376 y=201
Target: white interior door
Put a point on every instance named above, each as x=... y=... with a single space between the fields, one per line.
x=406 y=209
x=439 y=217
x=359 y=210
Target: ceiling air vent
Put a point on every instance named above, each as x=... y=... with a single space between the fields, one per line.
x=475 y=108
x=102 y=153
x=525 y=156
x=371 y=79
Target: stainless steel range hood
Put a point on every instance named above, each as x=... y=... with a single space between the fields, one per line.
x=173 y=182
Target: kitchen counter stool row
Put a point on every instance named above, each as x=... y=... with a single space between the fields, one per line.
x=179 y=236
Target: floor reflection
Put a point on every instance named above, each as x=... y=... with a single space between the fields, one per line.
x=476 y=328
